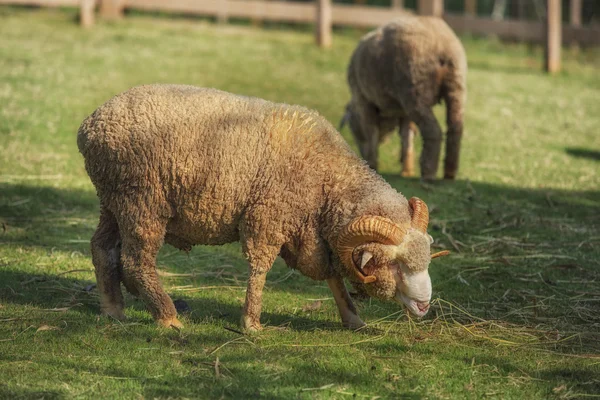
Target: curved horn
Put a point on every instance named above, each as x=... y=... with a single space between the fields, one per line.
x=367 y=229
x=419 y=214
x=440 y=254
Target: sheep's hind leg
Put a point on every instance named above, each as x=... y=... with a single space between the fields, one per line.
x=141 y=241
x=106 y=259
x=368 y=137
x=350 y=318
x=454 y=118
x=407 y=156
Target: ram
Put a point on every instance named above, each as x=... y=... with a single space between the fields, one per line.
x=396 y=75
x=188 y=166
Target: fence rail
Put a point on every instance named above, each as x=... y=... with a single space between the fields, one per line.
x=43 y=3
x=324 y=14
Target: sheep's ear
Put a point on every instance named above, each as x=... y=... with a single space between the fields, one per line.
x=366 y=257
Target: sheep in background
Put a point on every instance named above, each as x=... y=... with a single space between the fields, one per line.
x=396 y=75
x=187 y=166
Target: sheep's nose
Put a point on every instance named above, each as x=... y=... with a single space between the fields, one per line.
x=423 y=307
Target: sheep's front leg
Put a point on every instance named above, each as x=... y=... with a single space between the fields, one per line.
x=432 y=141
x=350 y=318
x=407 y=157
x=261 y=260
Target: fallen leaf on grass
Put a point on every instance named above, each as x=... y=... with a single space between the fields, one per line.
x=559 y=389
x=47 y=328
x=62 y=309
x=324 y=387
x=314 y=306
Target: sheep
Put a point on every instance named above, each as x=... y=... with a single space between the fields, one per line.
x=187 y=166
x=396 y=74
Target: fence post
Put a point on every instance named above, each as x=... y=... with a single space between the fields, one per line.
x=471 y=8
x=553 y=36
x=575 y=12
x=223 y=12
x=397 y=4
x=431 y=7
x=111 y=9
x=86 y=12
x=324 y=23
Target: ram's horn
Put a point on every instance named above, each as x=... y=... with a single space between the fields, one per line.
x=363 y=230
x=420 y=214
x=440 y=254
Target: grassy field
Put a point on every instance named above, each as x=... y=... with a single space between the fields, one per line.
x=517 y=306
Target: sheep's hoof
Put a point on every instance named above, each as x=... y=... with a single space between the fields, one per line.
x=170 y=323
x=114 y=312
x=427 y=181
x=407 y=173
x=354 y=323
x=249 y=326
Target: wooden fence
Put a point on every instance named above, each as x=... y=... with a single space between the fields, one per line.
x=324 y=14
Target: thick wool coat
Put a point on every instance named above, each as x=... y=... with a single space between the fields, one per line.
x=187 y=166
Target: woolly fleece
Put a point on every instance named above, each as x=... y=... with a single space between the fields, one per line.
x=186 y=166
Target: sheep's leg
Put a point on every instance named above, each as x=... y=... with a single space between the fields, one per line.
x=261 y=259
x=454 y=118
x=386 y=127
x=106 y=259
x=368 y=138
x=432 y=141
x=407 y=157
x=141 y=241
x=350 y=318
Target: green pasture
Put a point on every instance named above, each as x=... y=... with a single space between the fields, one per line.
x=516 y=311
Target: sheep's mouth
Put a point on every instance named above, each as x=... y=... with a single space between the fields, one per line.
x=418 y=309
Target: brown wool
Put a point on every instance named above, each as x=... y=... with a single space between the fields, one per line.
x=396 y=75
x=188 y=166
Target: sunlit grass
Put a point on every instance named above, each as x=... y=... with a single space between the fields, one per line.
x=516 y=306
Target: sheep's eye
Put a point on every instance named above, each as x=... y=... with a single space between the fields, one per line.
x=397 y=270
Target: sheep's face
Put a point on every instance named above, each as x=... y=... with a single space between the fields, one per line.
x=390 y=260
x=401 y=271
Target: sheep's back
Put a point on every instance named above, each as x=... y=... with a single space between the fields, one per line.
x=202 y=157
x=402 y=57
x=169 y=136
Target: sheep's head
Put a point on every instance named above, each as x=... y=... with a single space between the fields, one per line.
x=391 y=261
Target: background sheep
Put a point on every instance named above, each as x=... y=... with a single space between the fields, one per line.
x=188 y=166
x=396 y=75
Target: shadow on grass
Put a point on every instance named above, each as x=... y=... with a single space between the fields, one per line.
x=23 y=393
x=513 y=249
x=52 y=292
x=583 y=153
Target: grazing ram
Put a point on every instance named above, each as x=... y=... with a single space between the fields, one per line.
x=187 y=166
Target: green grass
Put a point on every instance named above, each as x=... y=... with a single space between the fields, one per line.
x=517 y=309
